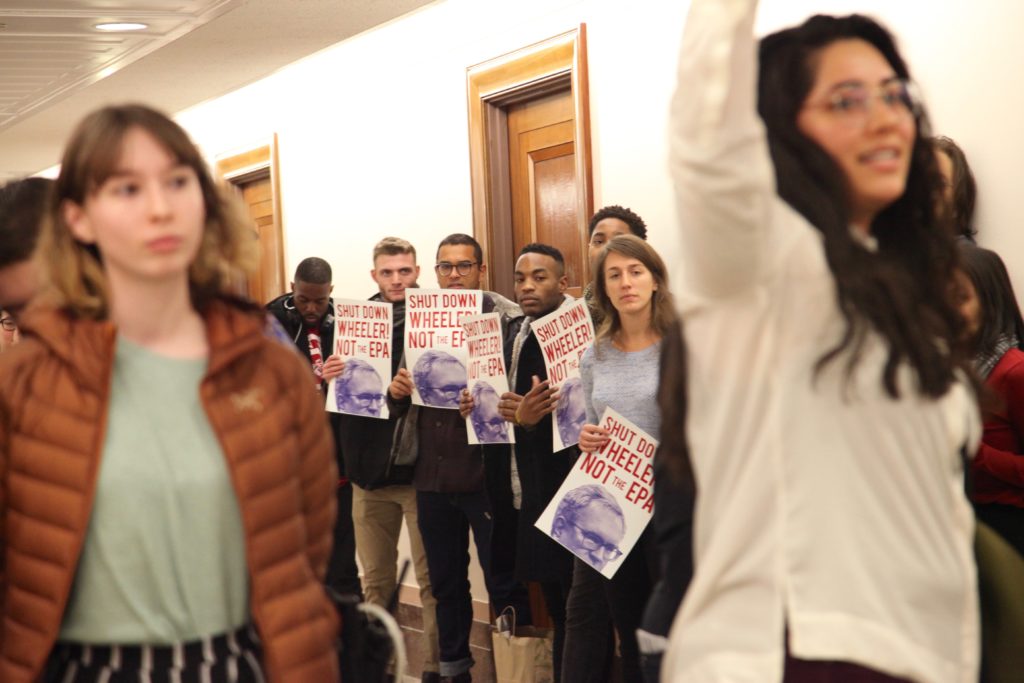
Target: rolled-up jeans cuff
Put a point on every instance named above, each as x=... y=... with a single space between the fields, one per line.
x=457 y=667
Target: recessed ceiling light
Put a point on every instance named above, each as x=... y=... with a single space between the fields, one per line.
x=121 y=26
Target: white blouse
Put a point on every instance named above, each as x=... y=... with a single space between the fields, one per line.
x=824 y=507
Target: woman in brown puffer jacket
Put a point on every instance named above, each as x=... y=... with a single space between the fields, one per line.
x=167 y=491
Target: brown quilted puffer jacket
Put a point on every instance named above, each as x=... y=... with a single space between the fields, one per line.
x=263 y=406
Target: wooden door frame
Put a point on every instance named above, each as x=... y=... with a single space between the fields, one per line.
x=253 y=163
x=532 y=72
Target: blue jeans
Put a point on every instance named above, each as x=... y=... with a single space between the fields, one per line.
x=445 y=520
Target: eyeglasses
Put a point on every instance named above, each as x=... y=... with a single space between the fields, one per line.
x=367 y=399
x=853 y=103
x=444 y=268
x=593 y=542
x=8 y=324
x=448 y=391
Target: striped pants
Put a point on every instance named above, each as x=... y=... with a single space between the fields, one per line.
x=230 y=658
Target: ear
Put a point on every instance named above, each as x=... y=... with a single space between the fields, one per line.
x=78 y=222
x=482 y=267
x=292 y=286
x=417 y=273
x=563 y=283
x=558 y=528
x=331 y=290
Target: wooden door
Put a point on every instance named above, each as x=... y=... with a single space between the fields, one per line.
x=253 y=174
x=542 y=179
x=265 y=283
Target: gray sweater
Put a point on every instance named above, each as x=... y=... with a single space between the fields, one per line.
x=626 y=381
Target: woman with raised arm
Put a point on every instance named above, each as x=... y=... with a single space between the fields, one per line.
x=828 y=409
x=167 y=474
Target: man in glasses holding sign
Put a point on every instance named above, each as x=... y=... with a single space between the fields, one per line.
x=449 y=476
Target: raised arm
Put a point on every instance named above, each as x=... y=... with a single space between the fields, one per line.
x=724 y=179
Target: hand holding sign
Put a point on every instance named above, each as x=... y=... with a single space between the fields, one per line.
x=401 y=385
x=538 y=402
x=466 y=403
x=333 y=367
x=593 y=438
x=507 y=406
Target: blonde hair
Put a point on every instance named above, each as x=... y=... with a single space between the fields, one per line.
x=74 y=271
x=393 y=246
x=662 y=310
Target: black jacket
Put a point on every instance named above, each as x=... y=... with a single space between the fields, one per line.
x=283 y=308
x=541 y=472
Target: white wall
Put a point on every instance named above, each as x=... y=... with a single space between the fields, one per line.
x=373 y=131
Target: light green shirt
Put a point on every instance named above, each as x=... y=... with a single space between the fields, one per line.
x=164 y=554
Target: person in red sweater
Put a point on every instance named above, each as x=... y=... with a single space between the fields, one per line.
x=996 y=328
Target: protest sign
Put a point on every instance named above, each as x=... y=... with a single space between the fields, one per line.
x=487 y=379
x=606 y=502
x=564 y=335
x=435 y=343
x=362 y=337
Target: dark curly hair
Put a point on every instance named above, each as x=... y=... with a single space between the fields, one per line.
x=635 y=223
x=902 y=292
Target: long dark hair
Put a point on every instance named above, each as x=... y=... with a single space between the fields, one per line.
x=997 y=304
x=903 y=290
x=964 y=190
x=674 y=450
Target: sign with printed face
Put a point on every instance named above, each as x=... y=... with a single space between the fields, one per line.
x=606 y=501
x=564 y=335
x=435 y=343
x=362 y=337
x=487 y=380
